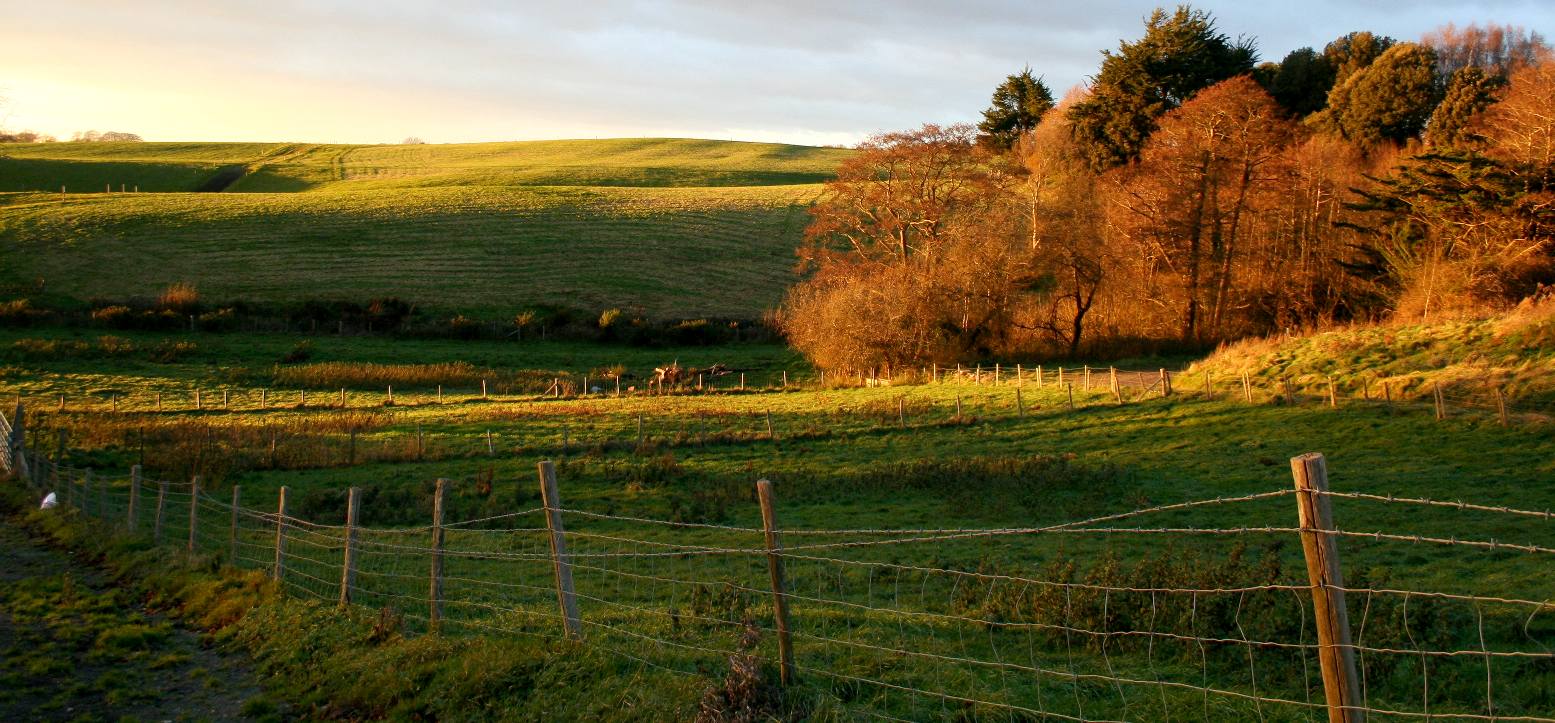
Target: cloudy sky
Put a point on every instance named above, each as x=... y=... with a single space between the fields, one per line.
x=804 y=71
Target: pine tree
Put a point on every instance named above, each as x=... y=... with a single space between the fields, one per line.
x=1179 y=55
x=1470 y=91
x=1018 y=105
x=1389 y=100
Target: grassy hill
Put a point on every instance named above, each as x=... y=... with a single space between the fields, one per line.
x=677 y=228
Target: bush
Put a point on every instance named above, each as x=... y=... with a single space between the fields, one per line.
x=18 y=313
x=181 y=297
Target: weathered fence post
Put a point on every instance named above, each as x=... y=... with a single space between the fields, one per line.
x=1333 y=394
x=156 y=525
x=232 y=529
x=1164 y=391
x=1086 y=375
x=775 y=569
x=1290 y=394
x=194 y=511
x=1501 y=407
x=901 y=411
x=1069 y=390
x=1039 y=376
x=770 y=434
x=435 y=589
x=958 y=407
x=639 y=430
x=1441 y=404
x=491 y=448
x=348 y=556
x=1020 y=404
x=280 y=536
x=134 y=498
x=264 y=399
x=568 y=600
x=1247 y=388
x=1335 y=653
x=483 y=389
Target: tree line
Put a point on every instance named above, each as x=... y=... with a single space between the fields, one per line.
x=1191 y=195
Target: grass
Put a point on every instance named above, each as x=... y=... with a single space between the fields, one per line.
x=842 y=458
x=672 y=228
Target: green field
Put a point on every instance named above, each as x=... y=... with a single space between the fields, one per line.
x=883 y=629
x=674 y=228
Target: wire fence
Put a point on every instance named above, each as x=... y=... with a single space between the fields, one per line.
x=1067 y=621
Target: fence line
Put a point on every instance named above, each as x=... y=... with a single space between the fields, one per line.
x=892 y=617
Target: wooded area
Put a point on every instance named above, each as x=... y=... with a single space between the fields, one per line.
x=1191 y=196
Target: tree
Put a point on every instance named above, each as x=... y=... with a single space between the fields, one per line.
x=1185 y=206
x=1389 y=100
x=1066 y=232
x=1300 y=83
x=1179 y=55
x=1018 y=105
x=1498 y=50
x=914 y=254
x=1470 y=91
x=1352 y=53
x=1519 y=129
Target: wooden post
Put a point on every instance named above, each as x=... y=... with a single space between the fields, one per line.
x=1441 y=404
x=342 y=397
x=390 y=398
x=232 y=531
x=742 y=381
x=901 y=411
x=1164 y=390
x=1290 y=394
x=1039 y=376
x=483 y=389
x=194 y=510
x=565 y=597
x=439 y=394
x=302 y=397
x=770 y=434
x=1501 y=407
x=785 y=378
x=1387 y=393
x=585 y=385
x=279 y=571
x=156 y=525
x=1020 y=404
x=435 y=591
x=1060 y=381
x=1069 y=389
x=775 y=570
x=1086 y=376
x=264 y=399
x=958 y=407
x=1018 y=375
x=159 y=401
x=1336 y=655
x=1247 y=388
x=226 y=399
x=490 y=448
x=134 y=497
x=618 y=386
x=348 y=556
x=997 y=369
x=1333 y=394
x=198 y=404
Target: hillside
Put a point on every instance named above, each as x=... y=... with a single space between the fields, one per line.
x=677 y=228
x=1514 y=352
x=290 y=167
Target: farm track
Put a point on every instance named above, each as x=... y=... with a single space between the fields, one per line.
x=75 y=647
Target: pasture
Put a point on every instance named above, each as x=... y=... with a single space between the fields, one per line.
x=923 y=584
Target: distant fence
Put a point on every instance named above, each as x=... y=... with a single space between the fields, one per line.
x=938 y=623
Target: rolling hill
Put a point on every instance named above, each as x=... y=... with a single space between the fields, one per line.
x=677 y=228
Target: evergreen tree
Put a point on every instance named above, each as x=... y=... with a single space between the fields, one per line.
x=1180 y=54
x=1300 y=82
x=1018 y=104
x=1389 y=100
x=1470 y=91
x=1352 y=53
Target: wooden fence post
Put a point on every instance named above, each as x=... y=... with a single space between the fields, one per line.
x=134 y=497
x=958 y=407
x=1441 y=404
x=1086 y=375
x=348 y=556
x=901 y=411
x=156 y=525
x=775 y=569
x=232 y=530
x=280 y=536
x=1164 y=391
x=1290 y=394
x=1333 y=394
x=1039 y=376
x=1020 y=404
x=194 y=511
x=1501 y=407
x=1247 y=388
x=1069 y=389
x=565 y=597
x=1335 y=653
x=435 y=590
x=770 y=434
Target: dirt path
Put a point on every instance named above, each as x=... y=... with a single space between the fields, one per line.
x=75 y=648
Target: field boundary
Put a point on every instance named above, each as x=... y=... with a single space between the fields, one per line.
x=827 y=604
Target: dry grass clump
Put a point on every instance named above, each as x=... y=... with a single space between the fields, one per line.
x=181 y=297
x=364 y=375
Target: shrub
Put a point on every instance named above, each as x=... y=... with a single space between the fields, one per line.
x=18 y=312
x=116 y=316
x=169 y=351
x=180 y=297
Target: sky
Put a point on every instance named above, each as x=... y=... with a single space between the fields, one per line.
x=799 y=71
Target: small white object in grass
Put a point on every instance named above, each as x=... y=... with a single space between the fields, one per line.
x=49 y=502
